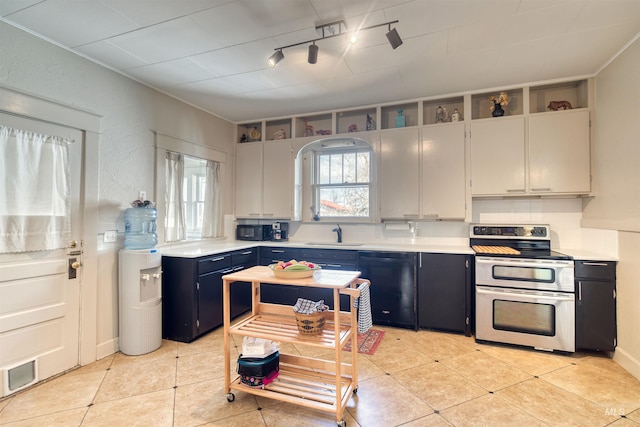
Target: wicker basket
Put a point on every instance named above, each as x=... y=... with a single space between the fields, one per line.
x=310 y=324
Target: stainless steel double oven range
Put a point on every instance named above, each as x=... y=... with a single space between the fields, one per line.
x=525 y=292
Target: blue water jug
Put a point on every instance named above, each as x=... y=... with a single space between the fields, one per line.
x=140 y=228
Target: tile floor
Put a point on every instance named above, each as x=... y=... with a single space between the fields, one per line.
x=414 y=379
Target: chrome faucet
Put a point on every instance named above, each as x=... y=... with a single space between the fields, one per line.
x=339 y=231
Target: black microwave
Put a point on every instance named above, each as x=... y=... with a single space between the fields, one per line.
x=253 y=232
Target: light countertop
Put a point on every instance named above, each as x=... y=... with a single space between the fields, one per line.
x=199 y=249
x=196 y=250
x=586 y=255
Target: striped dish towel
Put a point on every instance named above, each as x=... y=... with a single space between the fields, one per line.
x=363 y=304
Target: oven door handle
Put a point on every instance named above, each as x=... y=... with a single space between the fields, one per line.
x=524 y=262
x=526 y=293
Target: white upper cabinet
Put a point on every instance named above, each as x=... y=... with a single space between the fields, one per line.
x=434 y=155
x=559 y=160
x=498 y=156
x=264 y=184
x=399 y=174
x=543 y=149
x=249 y=180
x=443 y=172
x=278 y=180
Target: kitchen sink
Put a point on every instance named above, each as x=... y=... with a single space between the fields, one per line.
x=332 y=244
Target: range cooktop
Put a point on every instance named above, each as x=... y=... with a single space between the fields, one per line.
x=514 y=241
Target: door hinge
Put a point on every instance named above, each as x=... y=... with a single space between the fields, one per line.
x=614 y=294
x=466 y=321
x=197 y=286
x=198 y=324
x=466 y=263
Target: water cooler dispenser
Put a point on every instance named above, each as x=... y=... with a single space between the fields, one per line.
x=140 y=301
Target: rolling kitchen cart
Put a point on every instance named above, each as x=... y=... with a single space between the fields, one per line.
x=320 y=384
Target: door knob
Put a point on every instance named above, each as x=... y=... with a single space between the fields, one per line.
x=75 y=265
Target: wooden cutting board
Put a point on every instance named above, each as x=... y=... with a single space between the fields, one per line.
x=498 y=250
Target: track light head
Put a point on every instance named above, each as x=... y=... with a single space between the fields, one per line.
x=275 y=58
x=313 y=53
x=394 y=38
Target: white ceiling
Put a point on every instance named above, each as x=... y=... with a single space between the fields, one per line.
x=212 y=53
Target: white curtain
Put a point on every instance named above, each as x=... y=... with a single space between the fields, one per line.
x=34 y=191
x=174 y=224
x=211 y=218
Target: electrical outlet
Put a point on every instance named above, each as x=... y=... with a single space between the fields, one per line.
x=142 y=195
x=110 y=236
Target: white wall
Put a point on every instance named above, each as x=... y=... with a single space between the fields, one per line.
x=616 y=180
x=130 y=114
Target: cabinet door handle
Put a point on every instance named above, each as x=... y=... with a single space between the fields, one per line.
x=540 y=189
x=277 y=251
x=334 y=265
x=216 y=259
x=515 y=190
x=579 y=291
x=596 y=264
x=247 y=253
x=386 y=312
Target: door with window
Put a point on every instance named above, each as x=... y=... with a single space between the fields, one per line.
x=40 y=289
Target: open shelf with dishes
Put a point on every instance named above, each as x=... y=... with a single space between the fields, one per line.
x=250 y=132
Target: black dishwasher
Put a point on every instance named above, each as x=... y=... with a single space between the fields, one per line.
x=393 y=286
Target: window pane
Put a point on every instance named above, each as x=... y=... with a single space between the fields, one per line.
x=194 y=188
x=350 y=201
x=324 y=163
x=363 y=170
x=350 y=167
x=336 y=169
x=338 y=175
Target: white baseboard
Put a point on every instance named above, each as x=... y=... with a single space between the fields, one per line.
x=627 y=361
x=107 y=348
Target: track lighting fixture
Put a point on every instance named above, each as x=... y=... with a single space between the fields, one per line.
x=313 y=53
x=333 y=29
x=275 y=58
x=394 y=38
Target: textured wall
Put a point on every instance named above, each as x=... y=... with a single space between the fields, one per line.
x=616 y=145
x=616 y=180
x=131 y=112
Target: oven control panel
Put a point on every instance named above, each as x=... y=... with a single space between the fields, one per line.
x=509 y=231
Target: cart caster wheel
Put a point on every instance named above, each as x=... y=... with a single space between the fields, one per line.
x=342 y=423
x=231 y=397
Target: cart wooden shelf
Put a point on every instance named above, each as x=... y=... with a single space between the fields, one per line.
x=325 y=385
